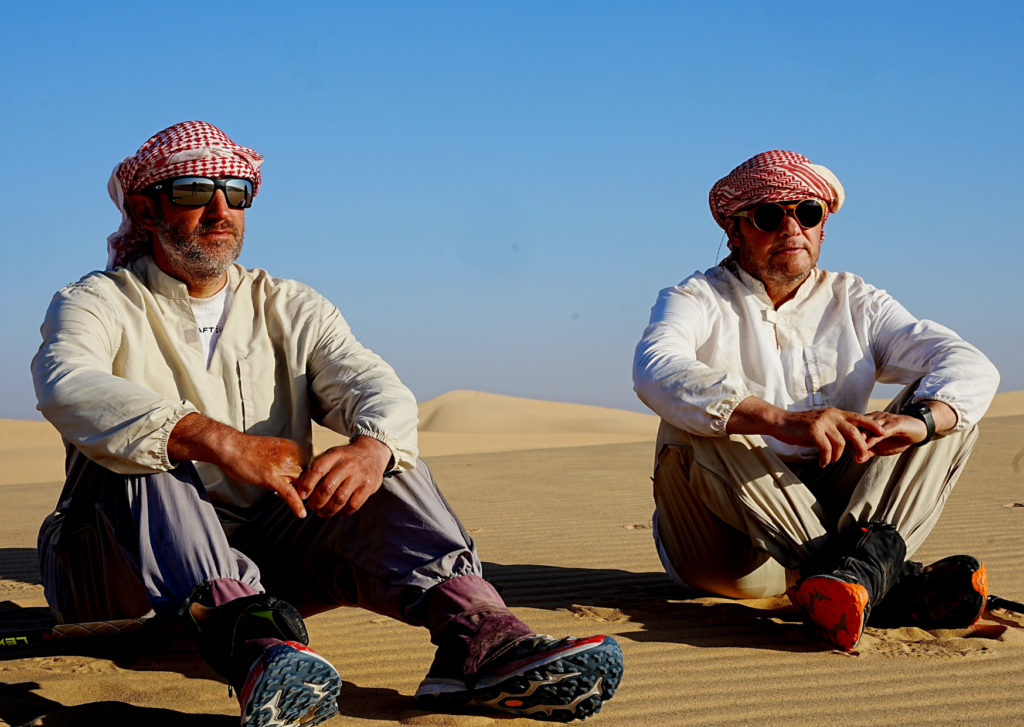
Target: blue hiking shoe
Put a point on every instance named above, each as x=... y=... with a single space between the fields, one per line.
x=290 y=684
x=540 y=677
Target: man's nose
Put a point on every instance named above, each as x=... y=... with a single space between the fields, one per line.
x=790 y=227
x=218 y=206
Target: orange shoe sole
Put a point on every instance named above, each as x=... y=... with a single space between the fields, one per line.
x=833 y=608
x=980 y=582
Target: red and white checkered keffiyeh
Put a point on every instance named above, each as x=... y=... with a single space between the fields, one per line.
x=774 y=176
x=185 y=149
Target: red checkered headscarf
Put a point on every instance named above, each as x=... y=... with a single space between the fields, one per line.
x=774 y=176
x=185 y=149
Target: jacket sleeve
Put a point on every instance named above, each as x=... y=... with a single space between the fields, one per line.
x=114 y=422
x=357 y=393
x=951 y=370
x=668 y=377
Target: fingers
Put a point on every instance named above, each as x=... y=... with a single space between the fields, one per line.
x=287 y=493
x=869 y=423
x=312 y=475
x=327 y=487
x=339 y=501
x=838 y=443
x=824 y=445
x=855 y=437
x=349 y=497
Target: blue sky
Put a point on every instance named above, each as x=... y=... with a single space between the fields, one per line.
x=494 y=192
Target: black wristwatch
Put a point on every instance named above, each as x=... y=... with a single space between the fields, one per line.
x=921 y=411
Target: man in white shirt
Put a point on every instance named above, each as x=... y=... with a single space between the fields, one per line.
x=184 y=385
x=768 y=478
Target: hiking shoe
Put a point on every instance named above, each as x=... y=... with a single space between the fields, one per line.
x=541 y=677
x=948 y=594
x=848 y=578
x=835 y=608
x=290 y=684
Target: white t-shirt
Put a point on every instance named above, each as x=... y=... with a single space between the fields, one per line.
x=210 y=314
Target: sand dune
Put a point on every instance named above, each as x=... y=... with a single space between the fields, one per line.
x=459 y=422
x=470 y=422
x=566 y=534
x=475 y=411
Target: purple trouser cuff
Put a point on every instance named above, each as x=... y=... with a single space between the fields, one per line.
x=223 y=590
x=469 y=623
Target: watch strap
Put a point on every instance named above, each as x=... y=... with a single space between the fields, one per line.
x=922 y=412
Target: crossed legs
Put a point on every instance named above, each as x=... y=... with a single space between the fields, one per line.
x=735 y=520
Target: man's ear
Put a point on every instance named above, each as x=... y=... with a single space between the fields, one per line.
x=142 y=209
x=734 y=232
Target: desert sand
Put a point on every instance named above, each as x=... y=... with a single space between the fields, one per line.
x=558 y=498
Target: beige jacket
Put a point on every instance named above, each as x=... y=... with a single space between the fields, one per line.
x=121 y=362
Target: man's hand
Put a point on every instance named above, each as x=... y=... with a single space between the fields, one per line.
x=269 y=462
x=902 y=432
x=829 y=430
x=343 y=478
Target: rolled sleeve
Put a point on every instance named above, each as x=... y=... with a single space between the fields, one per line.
x=950 y=369
x=670 y=380
x=114 y=422
x=358 y=394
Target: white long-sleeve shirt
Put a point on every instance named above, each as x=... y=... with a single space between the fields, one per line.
x=716 y=338
x=122 y=362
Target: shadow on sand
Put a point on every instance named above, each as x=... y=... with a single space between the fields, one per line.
x=667 y=613
x=19 y=705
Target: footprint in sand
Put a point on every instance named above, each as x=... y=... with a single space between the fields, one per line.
x=986 y=638
x=596 y=613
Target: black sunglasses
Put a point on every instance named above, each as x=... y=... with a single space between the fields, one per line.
x=198 y=191
x=768 y=216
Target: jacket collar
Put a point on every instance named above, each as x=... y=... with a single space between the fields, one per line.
x=757 y=287
x=160 y=283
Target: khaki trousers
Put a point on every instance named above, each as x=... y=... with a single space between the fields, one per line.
x=734 y=520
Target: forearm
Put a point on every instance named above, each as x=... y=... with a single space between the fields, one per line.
x=755 y=416
x=943 y=414
x=270 y=462
x=201 y=439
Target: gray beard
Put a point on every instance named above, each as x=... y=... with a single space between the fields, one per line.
x=770 y=273
x=197 y=261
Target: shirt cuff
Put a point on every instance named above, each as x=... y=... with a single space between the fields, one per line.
x=383 y=439
x=164 y=432
x=722 y=410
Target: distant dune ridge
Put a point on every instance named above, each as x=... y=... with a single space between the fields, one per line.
x=459 y=422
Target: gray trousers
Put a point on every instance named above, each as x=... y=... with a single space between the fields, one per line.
x=124 y=546
x=735 y=520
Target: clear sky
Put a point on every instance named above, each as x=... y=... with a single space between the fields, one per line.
x=494 y=192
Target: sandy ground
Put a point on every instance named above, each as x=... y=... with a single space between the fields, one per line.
x=559 y=500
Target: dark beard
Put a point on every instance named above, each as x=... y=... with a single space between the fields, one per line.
x=199 y=261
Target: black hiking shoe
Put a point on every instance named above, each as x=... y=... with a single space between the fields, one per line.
x=851 y=575
x=948 y=594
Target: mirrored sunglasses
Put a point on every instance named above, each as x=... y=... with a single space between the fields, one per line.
x=768 y=216
x=198 y=191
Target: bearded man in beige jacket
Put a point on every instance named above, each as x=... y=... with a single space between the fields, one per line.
x=184 y=386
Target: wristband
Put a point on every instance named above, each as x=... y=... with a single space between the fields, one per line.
x=922 y=412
